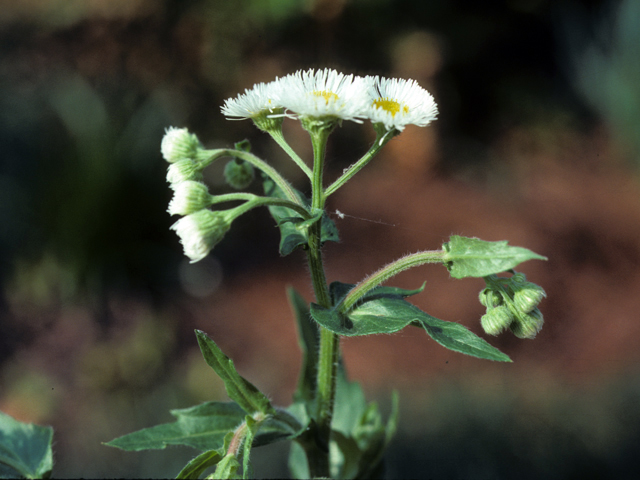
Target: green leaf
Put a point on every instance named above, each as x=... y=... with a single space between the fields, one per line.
x=359 y=438
x=345 y=456
x=281 y=426
x=25 y=449
x=227 y=467
x=293 y=228
x=373 y=439
x=308 y=339
x=238 y=388
x=196 y=467
x=202 y=426
x=339 y=290
x=349 y=404
x=455 y=337
x=472 y=257
x=383 y=311
x=297 y=463
x=252 y=427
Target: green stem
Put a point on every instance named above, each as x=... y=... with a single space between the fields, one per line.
x=257 y=201
x=279 y=138
x=382 y=137
x=388 y=271
x=209 y=156
x=328 y=348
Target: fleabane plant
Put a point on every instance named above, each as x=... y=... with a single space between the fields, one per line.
x=333 y=431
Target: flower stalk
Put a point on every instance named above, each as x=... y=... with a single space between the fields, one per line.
x=386 y=272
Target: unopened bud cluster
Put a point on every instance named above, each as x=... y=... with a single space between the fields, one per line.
x=512 y=303
x=200 y=229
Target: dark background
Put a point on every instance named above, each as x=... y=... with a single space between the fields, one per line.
x=536 y=142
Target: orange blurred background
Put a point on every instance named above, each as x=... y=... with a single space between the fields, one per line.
x=536 y=142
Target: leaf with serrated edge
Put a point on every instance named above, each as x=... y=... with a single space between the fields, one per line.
x=238 y=388
x=472 y=257
x=25 y=448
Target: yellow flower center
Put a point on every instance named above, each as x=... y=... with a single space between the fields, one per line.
x=326 y=95
x=390 y=106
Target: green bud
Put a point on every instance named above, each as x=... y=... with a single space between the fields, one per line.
x=526 y=297
x=518 y=278
x=189 y=197
x=178 y=144
x=199 y=232
x=243 y=145
x=239 y=174
x=490 y=298
x=182 y=171
x=497 y=320
x=527 y=325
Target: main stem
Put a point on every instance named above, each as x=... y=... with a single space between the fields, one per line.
x=328 y=351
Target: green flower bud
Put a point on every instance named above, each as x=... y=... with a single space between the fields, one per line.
x=518 y=278
x=526 y=297
x=497 y=320
x=490 y=298
x=189 y=197
x=199 y=232
x=527 y=325
x=239 y=174
x=182 y=171
x=178 y=144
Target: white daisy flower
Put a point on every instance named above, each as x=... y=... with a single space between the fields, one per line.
x=199 y=232
x=253 y=103
x=397 y=103
x=323 y=93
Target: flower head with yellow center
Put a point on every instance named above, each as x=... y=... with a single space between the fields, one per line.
x=396 y=103
x=323 y=93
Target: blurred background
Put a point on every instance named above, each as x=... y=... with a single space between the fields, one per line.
x=537 y=142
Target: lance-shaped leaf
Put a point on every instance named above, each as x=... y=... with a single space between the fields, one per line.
x=202 y=426
x=243 y=392
x=25 y=449
x=472 y=257
x=456 y=337
x=387 y=313
x=293 y=228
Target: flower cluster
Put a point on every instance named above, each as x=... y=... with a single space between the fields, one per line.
x=328 y=94
x=200 y=229
x=320 y=99
x=512 y=303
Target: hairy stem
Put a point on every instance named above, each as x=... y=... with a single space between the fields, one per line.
x=279 y=139
x=256 y=162
x=328 y=348
x=388 y=271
